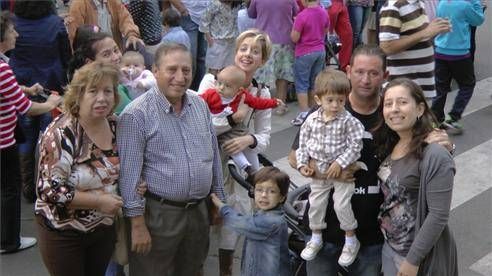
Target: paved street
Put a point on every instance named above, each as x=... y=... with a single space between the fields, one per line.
x=471 y=216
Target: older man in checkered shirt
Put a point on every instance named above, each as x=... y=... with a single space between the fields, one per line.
x=166 y=138
x=332 y=137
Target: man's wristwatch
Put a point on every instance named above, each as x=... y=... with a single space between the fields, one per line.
x=453 y=149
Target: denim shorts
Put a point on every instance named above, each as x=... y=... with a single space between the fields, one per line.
x=306 y=68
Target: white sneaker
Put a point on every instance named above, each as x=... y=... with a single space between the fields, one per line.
x=311 y=250
x=25 y=243
x=349 y=253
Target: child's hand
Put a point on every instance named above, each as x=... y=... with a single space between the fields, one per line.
x=306 y=171
x=280 y=102
x=141 y=188
x=216 y=200
x=140 y=85
x=209 y=39
x=334 y=170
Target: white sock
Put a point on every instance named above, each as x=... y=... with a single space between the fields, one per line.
x=317 y=238
x=350 y=240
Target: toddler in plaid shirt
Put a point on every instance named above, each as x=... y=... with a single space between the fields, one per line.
x=332 y=138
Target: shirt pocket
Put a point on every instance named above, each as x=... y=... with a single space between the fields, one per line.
x=202 y=147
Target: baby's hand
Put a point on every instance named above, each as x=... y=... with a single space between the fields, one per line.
x=279 y=102
x=216 y=200
x=306 y=171
x=334 y=170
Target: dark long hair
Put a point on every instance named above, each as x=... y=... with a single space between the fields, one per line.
x=386 y=138
x=85 y=50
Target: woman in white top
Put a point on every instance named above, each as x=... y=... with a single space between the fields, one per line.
x=253 y=48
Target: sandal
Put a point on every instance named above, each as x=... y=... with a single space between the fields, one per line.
x=281 y=110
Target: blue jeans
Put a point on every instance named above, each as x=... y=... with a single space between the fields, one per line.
x=114 y=269
x=306 y=68
x=358 y=17
x=198 y=49
x=368 y=262
x=31 y=127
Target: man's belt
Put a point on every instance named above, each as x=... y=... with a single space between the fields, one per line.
x=186 y=205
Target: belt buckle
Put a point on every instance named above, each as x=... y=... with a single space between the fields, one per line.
x=189 y=205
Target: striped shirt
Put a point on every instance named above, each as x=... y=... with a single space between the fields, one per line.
x=403 y=18
x=12 y=102
x=176 y=154
x=337 y=140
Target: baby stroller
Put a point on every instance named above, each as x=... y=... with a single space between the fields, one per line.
x=295 y=207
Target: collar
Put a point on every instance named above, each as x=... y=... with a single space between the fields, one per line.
x=164 y=103
x=100 y=3
x=4 y=57
x=342 y=114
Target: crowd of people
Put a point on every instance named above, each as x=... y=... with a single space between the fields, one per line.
x=120 y=119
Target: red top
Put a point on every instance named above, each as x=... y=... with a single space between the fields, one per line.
x=214 y=102
x=12 y=101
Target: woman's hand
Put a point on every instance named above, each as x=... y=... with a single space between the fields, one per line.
x=109 y=203
x=407 y=269
x=141 y=188
x=238 y=144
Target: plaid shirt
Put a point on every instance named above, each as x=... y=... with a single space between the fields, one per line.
x=176 y=154
x=337 y=140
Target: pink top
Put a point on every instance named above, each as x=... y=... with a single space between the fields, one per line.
x=311 y=23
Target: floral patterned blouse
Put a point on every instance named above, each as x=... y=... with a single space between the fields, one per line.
x=220 y=20
x=69 y=161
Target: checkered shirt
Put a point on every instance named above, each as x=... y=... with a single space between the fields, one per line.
x=176 y=154
x=337 y=140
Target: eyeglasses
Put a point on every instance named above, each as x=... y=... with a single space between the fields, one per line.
x=269 y=191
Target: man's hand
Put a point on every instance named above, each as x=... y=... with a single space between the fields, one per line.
x=133 y=41
x=306 y=171
x=334 y=170
x=440 y=137
x=407 y=269
x=141 y=240
x=33 y=90
x=437 y=26
x=54 y=100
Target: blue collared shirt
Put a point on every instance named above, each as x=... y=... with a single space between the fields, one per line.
x=176 y=154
